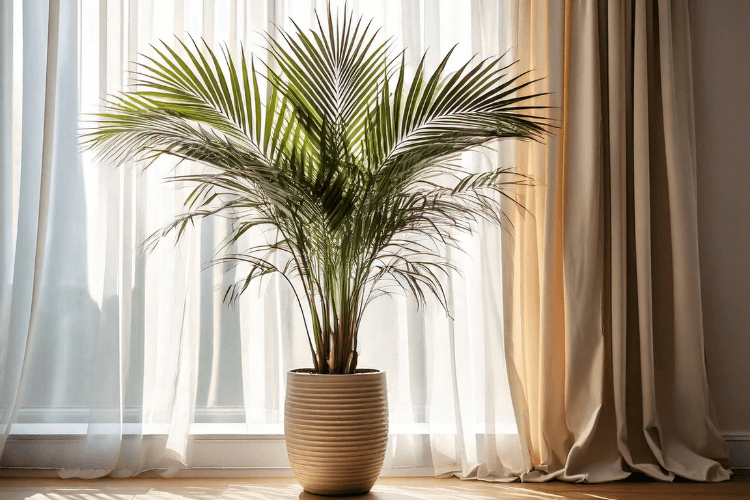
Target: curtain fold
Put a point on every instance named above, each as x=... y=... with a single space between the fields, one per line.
x=614 y=377
x=24 y=311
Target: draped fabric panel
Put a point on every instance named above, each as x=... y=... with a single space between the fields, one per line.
x=613 y=379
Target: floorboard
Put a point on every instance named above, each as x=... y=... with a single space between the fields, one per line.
x=385 y=489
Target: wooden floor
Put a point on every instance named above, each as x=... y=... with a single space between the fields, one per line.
x=385 y=489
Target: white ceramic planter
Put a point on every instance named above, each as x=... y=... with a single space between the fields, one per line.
x=336 y=429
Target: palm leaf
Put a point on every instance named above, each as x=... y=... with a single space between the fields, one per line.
x=352 y=167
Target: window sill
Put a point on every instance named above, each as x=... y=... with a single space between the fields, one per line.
x=127 y=429
x=218 y=429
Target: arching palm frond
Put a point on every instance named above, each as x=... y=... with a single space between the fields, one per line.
x=353 y=167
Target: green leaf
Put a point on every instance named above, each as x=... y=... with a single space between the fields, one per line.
x=349 y=170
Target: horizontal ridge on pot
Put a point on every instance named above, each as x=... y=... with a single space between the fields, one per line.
x=337 y=430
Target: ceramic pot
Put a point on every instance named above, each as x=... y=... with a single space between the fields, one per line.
x=336 y=429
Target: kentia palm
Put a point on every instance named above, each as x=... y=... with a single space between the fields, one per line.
x=345 y=158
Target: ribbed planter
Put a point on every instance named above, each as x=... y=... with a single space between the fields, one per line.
x=336 y=429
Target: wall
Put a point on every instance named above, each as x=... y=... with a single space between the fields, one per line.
x=721 y=74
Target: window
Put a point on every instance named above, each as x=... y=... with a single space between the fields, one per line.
x=126 y=345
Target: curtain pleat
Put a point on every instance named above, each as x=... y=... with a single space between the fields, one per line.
x=614 y=377
x=34 y=211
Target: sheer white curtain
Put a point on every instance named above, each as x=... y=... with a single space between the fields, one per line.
x=114 y=346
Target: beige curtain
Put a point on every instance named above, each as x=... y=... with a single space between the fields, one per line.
x=604 y=336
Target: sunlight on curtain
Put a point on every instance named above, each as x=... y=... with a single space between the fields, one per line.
x=117 y=345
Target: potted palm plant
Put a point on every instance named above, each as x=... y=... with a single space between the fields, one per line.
x=350 y=162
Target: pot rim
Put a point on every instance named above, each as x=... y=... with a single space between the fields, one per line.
x=358 y=371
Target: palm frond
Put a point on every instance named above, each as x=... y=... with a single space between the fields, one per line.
x=350 y=163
